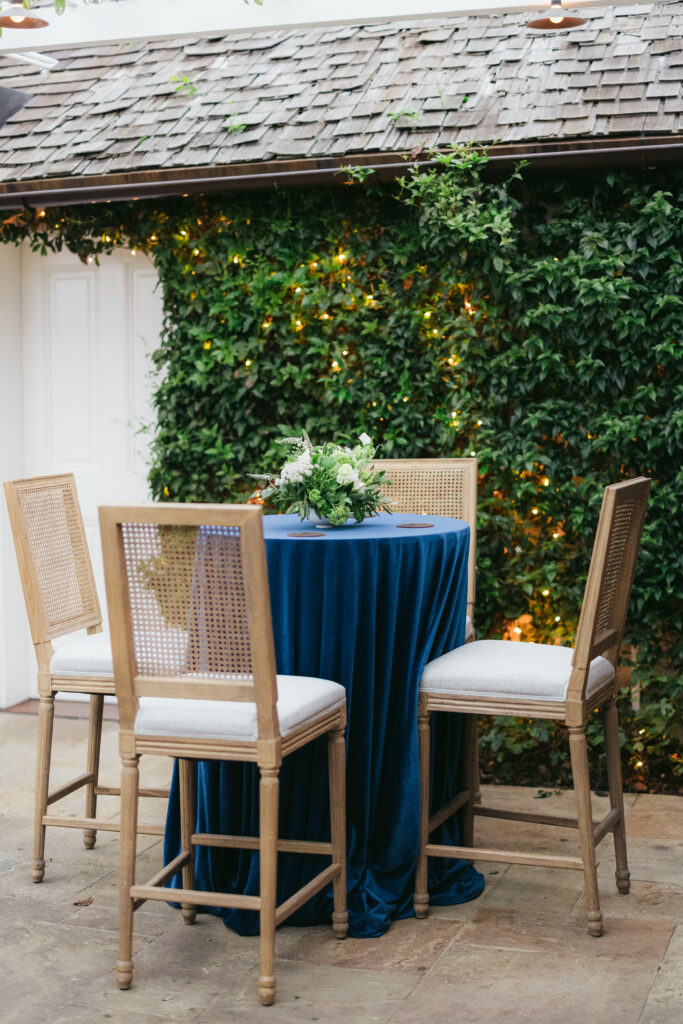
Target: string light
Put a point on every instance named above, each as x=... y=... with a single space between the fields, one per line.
x=534 y=511
x=545 y=592
x=247 y=362
x=427 y=314
x=546 y=482
x=41 y=213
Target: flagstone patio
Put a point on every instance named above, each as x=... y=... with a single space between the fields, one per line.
x=518 y=953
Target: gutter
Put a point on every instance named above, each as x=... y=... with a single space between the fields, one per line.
x=583 y=154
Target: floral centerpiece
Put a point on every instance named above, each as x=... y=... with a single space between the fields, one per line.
x=328 y=483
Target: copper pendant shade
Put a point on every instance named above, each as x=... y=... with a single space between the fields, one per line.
x=555 y=21
x=17 y=16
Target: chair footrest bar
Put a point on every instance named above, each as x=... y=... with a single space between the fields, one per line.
x=536 y=819
x=448 y=809
x=303 y=895
x=252 y=843
x=116 y=791
x=70 y=787
x=195 y=897
x=606 y=825
x=98 y=825
x=505 y=856
x=171 y=869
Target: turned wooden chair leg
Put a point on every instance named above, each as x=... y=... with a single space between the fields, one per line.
x=46 y=714
x=471 y=754
x=616 y=793
x=269 y=789
x=93 y=765
x=187 y=828
x=421 y=897
x=127 y=845
x=579 y=756
x=337 y=769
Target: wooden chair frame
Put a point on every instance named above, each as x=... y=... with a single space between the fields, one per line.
x=267 y=751
x=431 y=502
x=600 y=632
x=49 y=620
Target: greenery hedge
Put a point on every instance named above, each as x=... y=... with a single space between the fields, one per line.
x=534 y=322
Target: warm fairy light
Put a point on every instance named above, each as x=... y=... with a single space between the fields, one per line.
x=153 y=238
x=247 y=362
x=325 y=316
x=107 y=238
x=207 y=345
x=546 y=482
x=41 y=213
x=479 y=423
x=534 y=511
x=557 y=618
x=183 y=232
x=90 y=259
x=299 y=324
x=639 y=764
x=335 y=366
x=345 y=352
x=341 y=257
x=406 y=399
x=133 y=251
x=297 y=289
x=265 y=325
x=427 y=315
x=435 y=331
x=314 y=265
x=555 y=536
x=472 y=454
x=545 y=592
x=235 y=259
x=195 y=252
x=517 y=630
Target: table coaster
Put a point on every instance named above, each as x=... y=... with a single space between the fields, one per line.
x=414 y=526
x=307 y=533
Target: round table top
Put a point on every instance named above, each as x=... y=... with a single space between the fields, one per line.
x=399 y=526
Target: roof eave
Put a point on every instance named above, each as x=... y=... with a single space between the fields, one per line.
x=559 y=155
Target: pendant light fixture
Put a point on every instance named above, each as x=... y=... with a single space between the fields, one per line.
x=17 y=16
x=556 y=20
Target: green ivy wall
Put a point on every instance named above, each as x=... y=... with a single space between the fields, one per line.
x=535 y=322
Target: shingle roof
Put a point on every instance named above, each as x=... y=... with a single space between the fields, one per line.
x=328 y=92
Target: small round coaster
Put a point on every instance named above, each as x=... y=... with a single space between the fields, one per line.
x=414 y=526
x=307 y=533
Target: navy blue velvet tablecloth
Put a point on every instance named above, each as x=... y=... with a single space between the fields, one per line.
x=366 y=606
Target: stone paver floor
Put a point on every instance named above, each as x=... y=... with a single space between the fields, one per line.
x=518 y=953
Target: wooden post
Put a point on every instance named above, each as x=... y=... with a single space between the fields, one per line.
x=421 y=897
x=129 y=821
x=336 y=749
x=579 y=755
x=188 y=817
x=269 y=791
x=93 y=763
x=616 y=793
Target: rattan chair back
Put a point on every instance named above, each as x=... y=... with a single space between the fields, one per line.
x=436 y=487
x=52 y=553
x=187 y=590
x=610 y=576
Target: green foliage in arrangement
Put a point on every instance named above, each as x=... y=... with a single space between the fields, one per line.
x=333 y=481
x=534 y=323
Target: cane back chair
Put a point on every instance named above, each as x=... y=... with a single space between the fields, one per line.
x=61 y=599
x=499 y=677
x=194 y=664
x=437 y=487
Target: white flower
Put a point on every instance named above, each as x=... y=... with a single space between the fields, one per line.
x=364 y=439
x=346 y=474
x=358 y=485
x=294 y=472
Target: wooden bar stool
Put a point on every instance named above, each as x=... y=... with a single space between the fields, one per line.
x=194 y=664
x=500 y=677
x=438 y=487
x=61 y=599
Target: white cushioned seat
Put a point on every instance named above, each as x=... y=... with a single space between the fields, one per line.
x=508 y=670
x=301 y=700
x=82 y=654
x=469 y=629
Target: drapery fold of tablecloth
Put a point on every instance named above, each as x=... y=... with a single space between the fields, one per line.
x=367 y=607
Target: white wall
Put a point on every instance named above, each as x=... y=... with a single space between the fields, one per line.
x=75 y=366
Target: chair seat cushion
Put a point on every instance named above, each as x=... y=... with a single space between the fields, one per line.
x=300 y=700
x=508 y=670
x=82 y=654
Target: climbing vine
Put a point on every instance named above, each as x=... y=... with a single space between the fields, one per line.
x=535 y=323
